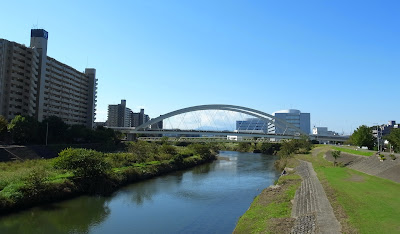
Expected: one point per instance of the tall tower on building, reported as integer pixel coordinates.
(39, 39)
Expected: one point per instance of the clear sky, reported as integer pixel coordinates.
(338, 60)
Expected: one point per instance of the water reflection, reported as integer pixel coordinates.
(75, 216)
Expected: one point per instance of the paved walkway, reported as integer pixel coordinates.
(311, 208)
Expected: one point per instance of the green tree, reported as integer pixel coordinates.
(57, 130)
(269, 148)
(363, 137)
(3, 127)
(287, 149)
(394, 139)
(335, 155)
(77, 134)
(23, 129)
(244, 147)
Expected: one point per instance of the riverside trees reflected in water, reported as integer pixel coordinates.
(74, 216)
(207, 198)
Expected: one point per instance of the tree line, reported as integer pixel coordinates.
(27, 130)
(363, 136)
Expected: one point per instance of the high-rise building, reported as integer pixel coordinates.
(119, 115)
(139, 118)
(32, 83)
(295, 117)
(157, 126)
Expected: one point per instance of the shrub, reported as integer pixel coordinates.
(269, 148)
(82, 162)
(120, 159)
(143, 151)
(168, 149)
(393, 157)
(244, 147)
(34, 183)
(178, 159)
(202, 150)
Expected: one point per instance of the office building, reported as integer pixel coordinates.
(34, 84)
(295, 117)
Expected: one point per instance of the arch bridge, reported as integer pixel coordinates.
(288, 130)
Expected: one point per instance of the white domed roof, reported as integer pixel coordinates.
(288, 111)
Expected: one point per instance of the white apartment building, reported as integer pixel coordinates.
(32, 83)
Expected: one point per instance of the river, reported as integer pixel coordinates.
(206, 199)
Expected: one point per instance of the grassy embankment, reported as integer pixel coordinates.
(362, 203)
(271, 210)
(27, 183)
(353, 151)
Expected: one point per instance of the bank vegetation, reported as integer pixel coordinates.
(78, 171)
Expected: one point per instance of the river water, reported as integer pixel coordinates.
(206, 199)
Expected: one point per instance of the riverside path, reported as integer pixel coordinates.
(312, 209)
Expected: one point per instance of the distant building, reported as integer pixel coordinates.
(252, 125)
(295, 117)
(34, 84)
(139, 118)
(323, 131)
(99, 124)
(157, 126)
(385, 129)
(119, 115)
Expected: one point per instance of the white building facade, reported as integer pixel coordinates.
(31, 83)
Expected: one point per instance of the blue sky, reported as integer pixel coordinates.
(338, 60)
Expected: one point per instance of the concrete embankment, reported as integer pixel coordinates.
(388, 168)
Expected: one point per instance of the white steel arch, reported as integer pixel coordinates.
(258, 114)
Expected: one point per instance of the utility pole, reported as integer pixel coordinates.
(377, 136)
(47, 131)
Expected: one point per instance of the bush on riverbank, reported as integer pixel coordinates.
(289, 148)
(82, 171)
(83, 163)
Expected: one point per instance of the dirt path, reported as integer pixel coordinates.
(311, 208)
